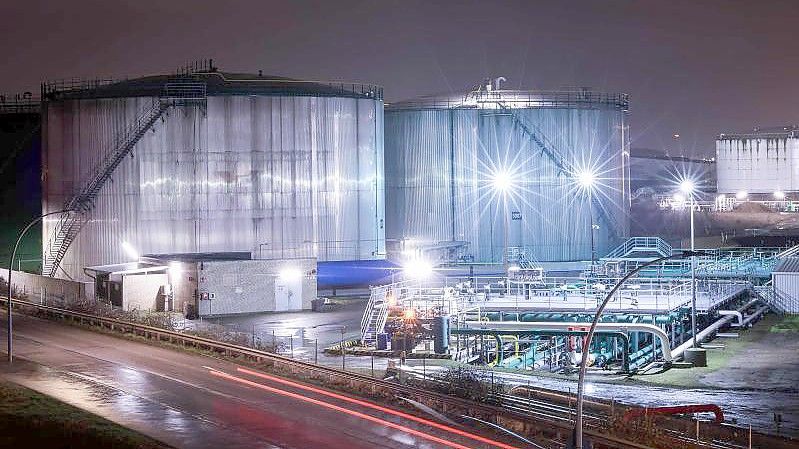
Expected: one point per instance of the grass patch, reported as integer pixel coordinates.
(789, 323)
(716, 358)
(31, 419)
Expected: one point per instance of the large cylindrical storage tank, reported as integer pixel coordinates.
(278, 167)
(444, 155)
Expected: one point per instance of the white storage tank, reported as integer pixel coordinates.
(278, 167)
(445, 153)
(761, 162)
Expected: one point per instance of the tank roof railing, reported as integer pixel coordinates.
(519, 99)
(86, 87)
(789, 134)
(49, 88)
(24, 103)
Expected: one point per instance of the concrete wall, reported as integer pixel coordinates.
(249, 286)
(144, 291)
(34, 285)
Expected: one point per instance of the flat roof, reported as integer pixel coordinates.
(787, 265)
(197, 257)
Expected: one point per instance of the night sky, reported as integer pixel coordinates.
(696, 68)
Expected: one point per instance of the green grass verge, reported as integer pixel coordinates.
(31, 419)
(790, 323)
(716, 358)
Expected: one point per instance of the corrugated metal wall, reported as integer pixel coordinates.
(283, 177)
(757, 165)
(439, 164)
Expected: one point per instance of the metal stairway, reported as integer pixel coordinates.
(778, 302)
(375, 315)
(176, 93)
(648, 247)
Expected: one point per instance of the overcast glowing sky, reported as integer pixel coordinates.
(693, 67)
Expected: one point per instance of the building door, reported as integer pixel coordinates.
(288, 294)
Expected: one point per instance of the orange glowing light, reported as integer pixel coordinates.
(340, 409)
(375, 407)
(409, 314)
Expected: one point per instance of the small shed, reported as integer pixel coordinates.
(785, 279)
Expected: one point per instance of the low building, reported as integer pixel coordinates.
(785, 281)
(208, 284)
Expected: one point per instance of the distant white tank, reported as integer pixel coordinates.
(761, 162)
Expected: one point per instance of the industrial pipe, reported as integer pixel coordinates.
(754, 316)
(678, 351)
(736, 314)
(674, 410)
(494, 332)
(564, 326)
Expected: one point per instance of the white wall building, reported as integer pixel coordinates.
(785, 279)
(762, 162)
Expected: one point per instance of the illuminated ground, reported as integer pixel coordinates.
(195, 401)
(764, 357)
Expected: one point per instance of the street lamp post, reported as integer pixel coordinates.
(10, 266)
(586, 180)
(503, 182)
(688, 187)
(591, 220)
(578, 421)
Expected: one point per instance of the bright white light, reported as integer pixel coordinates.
(290, 274)
(502, 180)
(687, 187)
(589, 388)
(779, 194)
(678, 198)
(586, 179)
(721, 198)
(175, 270)
(130, 251)
(741, 195)
(418, 269)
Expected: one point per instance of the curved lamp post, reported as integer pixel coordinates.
(11, 265)
(578, 421)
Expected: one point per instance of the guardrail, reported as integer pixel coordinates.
(511, 419)
(332, 377)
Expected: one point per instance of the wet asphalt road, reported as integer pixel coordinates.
(194, 401)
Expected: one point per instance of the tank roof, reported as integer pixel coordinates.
(516, 99)
(772, 132)
(215, 83)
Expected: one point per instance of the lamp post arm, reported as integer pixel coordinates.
(11, 265)
(578, 420)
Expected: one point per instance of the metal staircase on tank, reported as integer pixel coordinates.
(547, 147)
(175, 93)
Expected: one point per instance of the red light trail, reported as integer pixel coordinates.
(355, 413)
(376, 407)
